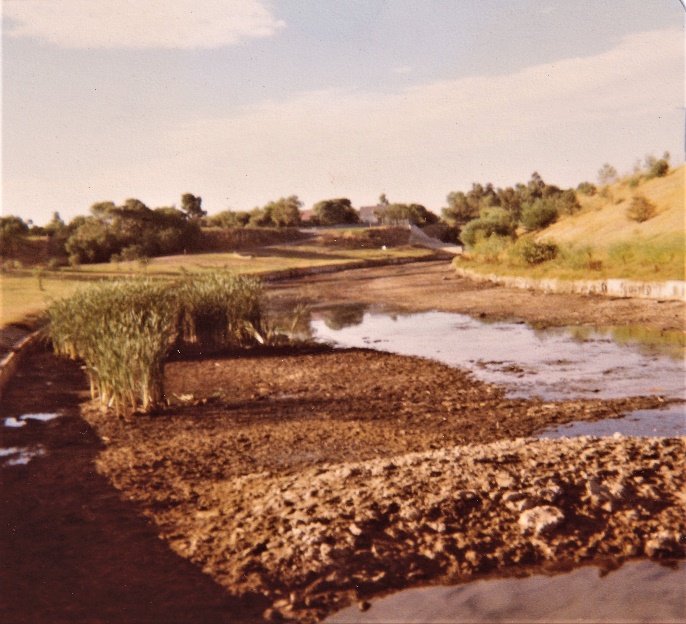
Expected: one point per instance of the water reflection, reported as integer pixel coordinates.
(555, 363)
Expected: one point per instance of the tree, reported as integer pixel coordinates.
(383, 200)
(641, 209)
(607, 174)
(540, 214)
(12, 231)
(335, 212)
(412, 213)
(285, 212)
(191, 205)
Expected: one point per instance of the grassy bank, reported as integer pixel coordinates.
(600, 241)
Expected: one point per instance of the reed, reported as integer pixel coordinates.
(123, 330)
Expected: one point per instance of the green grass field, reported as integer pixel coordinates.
(24, 295)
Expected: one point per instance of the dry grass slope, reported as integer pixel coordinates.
(602, 221)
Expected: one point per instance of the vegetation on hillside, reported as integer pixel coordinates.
(629, 227)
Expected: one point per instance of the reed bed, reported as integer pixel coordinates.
(124, 330)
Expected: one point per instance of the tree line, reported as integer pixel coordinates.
(133, 231)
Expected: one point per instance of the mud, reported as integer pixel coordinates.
(289, 483)
(323, 478)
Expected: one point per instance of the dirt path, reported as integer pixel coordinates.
(435, 286)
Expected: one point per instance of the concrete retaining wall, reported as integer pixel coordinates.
(672, 290)
(10, 363)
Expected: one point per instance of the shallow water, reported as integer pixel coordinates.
(22, 420)
(19, 456)
(653, 423)
(557, 363)
(641, 591)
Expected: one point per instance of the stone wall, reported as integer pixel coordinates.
(672, 290)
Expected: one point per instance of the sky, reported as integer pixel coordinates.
(245, 101)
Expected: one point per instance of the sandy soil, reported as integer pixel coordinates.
(287, 483)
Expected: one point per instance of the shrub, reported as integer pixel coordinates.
(659, 169)
(492, 249)
(540, 214)
(496, 221)
(533, 252)
(641, 209)
(587, 188)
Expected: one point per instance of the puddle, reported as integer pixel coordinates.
(557, 363)
(19, 456)
(22, 420)
(654, 423)
(641, 591)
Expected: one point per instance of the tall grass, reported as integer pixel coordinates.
(124, 330)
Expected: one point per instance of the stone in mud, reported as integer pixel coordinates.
(664, 544)
(605, 495)
(541, 520)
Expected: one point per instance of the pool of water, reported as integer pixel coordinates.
(554, 364)
(642, 591)
(557, 363)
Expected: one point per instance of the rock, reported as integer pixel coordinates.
(664, 544)
(541, 520)
(355, 530)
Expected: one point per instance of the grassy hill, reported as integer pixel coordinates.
(602, 221)
(600, 241)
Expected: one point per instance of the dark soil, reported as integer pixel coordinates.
(286, 483)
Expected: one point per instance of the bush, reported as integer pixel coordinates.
(533, 252)
(641, 209)
(659, 169)
(540, 214)
(492, 249)
(496, 221)
(587, 188)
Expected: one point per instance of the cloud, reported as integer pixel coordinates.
(417, 144)
(411, 140)
(139, 24)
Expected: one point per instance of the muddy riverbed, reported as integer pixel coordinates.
(290, 483)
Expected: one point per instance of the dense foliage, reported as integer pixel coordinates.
(128, 232)
(335, 212)
(486, 211)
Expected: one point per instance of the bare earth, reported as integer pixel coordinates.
(287, 483)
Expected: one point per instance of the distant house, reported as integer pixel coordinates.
(306, 215)
(372, 215)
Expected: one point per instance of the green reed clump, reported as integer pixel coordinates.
(121, 330)
(219, 310)
(124, 330)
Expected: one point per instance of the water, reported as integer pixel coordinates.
(554, 364)
(653, 423)
(557, 363)
(22, 420)
(19, 456)
(641, 591)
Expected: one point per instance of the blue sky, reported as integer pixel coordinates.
(246, 101)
